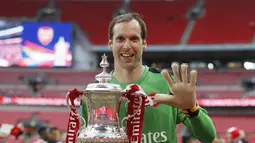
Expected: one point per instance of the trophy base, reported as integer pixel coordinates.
(102, 133)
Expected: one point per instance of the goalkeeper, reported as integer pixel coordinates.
(176, 98)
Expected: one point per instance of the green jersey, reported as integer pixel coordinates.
(160, 122)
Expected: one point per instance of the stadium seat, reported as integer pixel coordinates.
(225, 22)
(222, 123)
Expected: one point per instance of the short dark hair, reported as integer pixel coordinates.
(53, 129)
(127, 17)
(42, 129)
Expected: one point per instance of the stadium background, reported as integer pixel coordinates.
(216, 37)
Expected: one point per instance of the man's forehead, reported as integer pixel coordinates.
(127, 34)
(131, 27)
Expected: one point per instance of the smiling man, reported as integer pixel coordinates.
(177, 99)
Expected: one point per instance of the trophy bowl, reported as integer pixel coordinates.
(103, 100)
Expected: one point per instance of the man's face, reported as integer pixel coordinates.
(229, 138)
(44, 135)
(55, 134)
(127, 45)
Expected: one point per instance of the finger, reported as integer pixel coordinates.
(193, 77)
(165, 99)
(184, 73)
(167, 77)
(148, 101)
(175, 68)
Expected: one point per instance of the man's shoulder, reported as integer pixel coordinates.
(154, 76)
(158, 70)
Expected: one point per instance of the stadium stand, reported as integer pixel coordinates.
(225, 23)
(234, 25)
(222, 23)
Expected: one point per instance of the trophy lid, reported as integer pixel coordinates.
(103, 79)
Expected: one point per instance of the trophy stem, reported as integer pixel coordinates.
(104, 77)
(102, 99)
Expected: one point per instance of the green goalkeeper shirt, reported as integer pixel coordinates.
(160, 123)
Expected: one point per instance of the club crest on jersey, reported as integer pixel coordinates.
(45, 35)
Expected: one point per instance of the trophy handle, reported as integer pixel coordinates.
(130, 116)
(73, 107)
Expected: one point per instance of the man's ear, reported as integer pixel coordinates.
(110, 44)
(144, 44)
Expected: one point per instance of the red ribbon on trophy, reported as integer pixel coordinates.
(73, 123)
(135, 123)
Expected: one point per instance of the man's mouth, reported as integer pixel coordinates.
(127, 55)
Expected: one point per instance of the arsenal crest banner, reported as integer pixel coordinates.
(46, 45)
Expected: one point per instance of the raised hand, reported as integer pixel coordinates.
(183, 90)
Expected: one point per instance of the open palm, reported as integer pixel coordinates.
(183, 90)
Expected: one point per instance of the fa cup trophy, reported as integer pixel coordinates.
(103, 100)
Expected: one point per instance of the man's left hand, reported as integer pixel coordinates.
(183, 90)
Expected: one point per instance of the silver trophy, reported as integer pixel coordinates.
(103, 100)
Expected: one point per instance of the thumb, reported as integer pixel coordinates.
(165, 99)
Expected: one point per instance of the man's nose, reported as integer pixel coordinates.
(127, 45)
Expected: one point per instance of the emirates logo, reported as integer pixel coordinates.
(45, 35)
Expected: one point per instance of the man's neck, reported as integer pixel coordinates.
(128, 76)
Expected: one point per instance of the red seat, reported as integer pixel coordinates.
(222, 123)
(50, 117)
(225, 22)
(221, 78)
(64, 77)
(156, 14)
(54, 92)
(219, 94)
(222, 23)
(162, 31)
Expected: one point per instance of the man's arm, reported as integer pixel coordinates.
(201, 125)
(184, 97)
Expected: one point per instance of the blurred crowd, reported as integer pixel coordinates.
(30, 133)
(39, 133)
(50, 135)
(35, 84)
(43, 134)
(233, 135)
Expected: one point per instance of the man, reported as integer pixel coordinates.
(235, 135)
(186, 134)
(127, 40)
(219, 140)
(191, 140)
(243, 136)
(55, 135)
(43, 133)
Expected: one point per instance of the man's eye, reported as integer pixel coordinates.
(134, 39)
(120, 38)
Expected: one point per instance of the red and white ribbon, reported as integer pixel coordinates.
(137, 90)
(135, 123)
(135, 107)
(73, 122)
